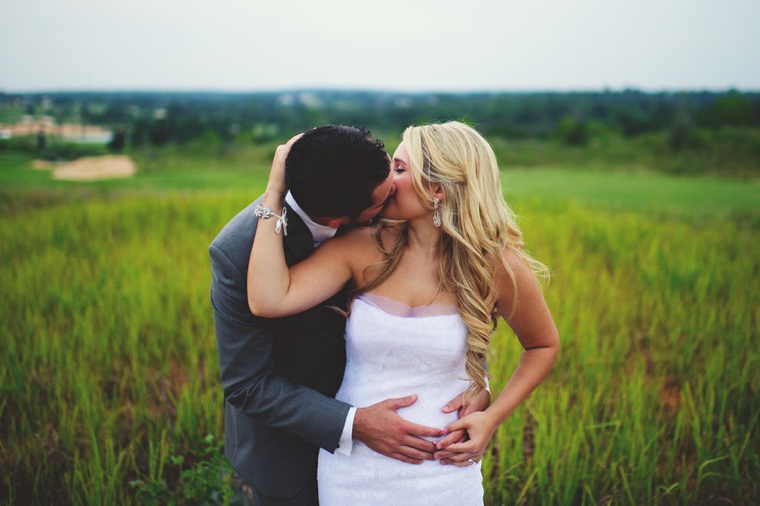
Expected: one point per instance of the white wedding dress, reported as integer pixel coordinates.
(394, 351)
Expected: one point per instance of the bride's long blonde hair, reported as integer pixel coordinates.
(477, 226)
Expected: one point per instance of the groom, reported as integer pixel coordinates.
(280, 375)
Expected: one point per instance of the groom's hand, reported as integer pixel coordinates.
(383, 430)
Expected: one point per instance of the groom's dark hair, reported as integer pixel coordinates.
(333, 170)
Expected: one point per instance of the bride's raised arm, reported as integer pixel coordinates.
(274, 290)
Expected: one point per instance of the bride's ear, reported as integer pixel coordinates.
(438, 192)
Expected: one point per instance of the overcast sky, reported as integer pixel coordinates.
(405, 45)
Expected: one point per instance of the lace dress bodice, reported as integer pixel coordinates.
(393, 351)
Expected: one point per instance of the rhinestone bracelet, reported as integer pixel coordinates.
(265, 213)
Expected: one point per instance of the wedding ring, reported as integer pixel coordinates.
(472, 462)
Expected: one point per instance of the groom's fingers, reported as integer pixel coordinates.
(414, 455)
(381, 428)
(422, 431)
(419, 445)
(454, 404)
(403, 458)
(400, 402)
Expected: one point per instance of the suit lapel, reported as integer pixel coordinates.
(298, 243)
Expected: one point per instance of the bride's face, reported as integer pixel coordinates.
(405, 203)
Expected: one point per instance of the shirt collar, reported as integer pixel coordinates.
(319, 233)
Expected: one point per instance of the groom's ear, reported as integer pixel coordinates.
(338, 222)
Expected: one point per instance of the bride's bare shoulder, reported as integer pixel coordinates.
(363, 241)
(353, 242)
(389, 233)
(356, 235)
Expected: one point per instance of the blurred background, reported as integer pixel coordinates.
(628, 135)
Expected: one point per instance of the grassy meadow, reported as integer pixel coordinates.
(109, 381)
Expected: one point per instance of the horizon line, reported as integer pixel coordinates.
(389, 91)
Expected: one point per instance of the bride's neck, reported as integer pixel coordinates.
(424, 240)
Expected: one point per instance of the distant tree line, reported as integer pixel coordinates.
(152, 118)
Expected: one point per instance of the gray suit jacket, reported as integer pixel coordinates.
(279, 375)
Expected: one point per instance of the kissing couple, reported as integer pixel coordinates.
(354, 358)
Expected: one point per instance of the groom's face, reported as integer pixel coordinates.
(379, 196)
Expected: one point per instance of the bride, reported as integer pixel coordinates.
(429, 282)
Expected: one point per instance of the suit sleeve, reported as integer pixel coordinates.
(245, 347)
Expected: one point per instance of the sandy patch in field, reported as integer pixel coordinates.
(95, 168)
(43, 165)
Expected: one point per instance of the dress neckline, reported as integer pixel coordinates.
(397, 308)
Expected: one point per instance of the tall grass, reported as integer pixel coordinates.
(655, 396)
(109, 370)
(109, 364)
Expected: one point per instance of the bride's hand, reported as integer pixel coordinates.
(463, 405)
(277, 184)
(480, 429)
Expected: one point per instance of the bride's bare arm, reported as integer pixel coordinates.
(273, 289)
(533, 324)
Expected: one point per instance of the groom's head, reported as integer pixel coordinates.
(339, 173)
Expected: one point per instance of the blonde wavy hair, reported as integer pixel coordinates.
(477, 226)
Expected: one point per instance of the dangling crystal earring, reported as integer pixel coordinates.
(436, 213)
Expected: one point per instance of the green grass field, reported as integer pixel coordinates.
(109, 373)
